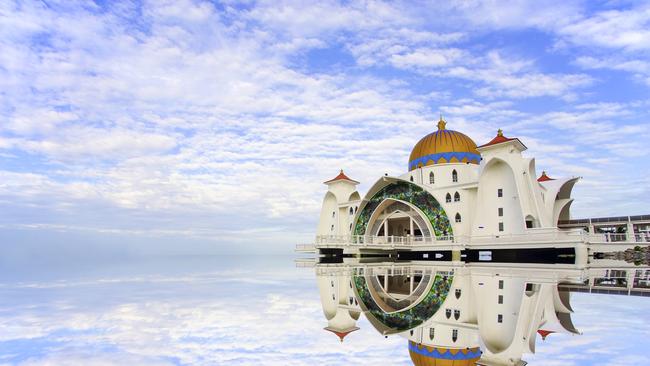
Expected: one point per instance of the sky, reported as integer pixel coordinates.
(212, 125)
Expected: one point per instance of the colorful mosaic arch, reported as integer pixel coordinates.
(413, 194)
(409, 318)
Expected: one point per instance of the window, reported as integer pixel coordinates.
(458, 292)
(332, 283)
(500, 284)
(432, 178)
(454, 176)
(454, 335)
(500, 211)
(332, 228)
(411, 331)
(457, 217)
(432, 333)
(333, 297)
(351, 211)
(500, 192)
(456, 197)
(350, 227)
(500, 226)
(499, 318)
(351, 300)
(411, 178)
(333, 213)
(448, 313)
(456, 314)
(500, 300)
(448, 198)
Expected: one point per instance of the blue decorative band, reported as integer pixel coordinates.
(447, 355)
(447, 155)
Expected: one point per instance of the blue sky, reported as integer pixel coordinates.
(215, 123)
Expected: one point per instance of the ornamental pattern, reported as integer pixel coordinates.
(409, 318)
(413, 194)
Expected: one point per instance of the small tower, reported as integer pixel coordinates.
(339, 206)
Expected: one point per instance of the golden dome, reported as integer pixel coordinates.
(442, 147)
(422, 355)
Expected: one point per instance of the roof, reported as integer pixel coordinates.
(341, 335)
(544, 177)
(341, 176)
(498, 139)
(442, 147)
(422, 355)
(544, 333)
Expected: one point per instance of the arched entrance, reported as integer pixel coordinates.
(401, 208)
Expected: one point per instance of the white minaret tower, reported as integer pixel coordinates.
(339, 206)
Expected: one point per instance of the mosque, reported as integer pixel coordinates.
(470, 254)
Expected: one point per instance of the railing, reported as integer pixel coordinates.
(618, 237)
(533, 236)
(366, 240)
(305, 247)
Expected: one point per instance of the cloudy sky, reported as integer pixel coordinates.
(215, 123)
(188, 312)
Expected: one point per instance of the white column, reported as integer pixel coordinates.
(630, 230)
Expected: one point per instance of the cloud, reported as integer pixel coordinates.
(214, 121)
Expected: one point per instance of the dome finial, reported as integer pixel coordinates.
(441, 123)
(499, 132)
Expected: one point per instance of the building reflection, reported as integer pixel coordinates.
(458, 313)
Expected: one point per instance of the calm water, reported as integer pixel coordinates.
(239, 311)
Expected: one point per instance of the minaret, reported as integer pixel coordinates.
(339, 206)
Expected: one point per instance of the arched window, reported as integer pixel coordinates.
(333, 213)
(454, 176)
(448, 198)
(350, 227)
(432, 333)
(432, 178)
(411, 331)
(448, 313)
(456, 197)
(458, 292)
(351, 300)
(332, 228)
(458, 217)
(351, 211)
(411, 178)
(454, 335)
(456, 314)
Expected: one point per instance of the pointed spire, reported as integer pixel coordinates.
(544, 333)
(341, 176)
(499, 138)
(544, 177)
